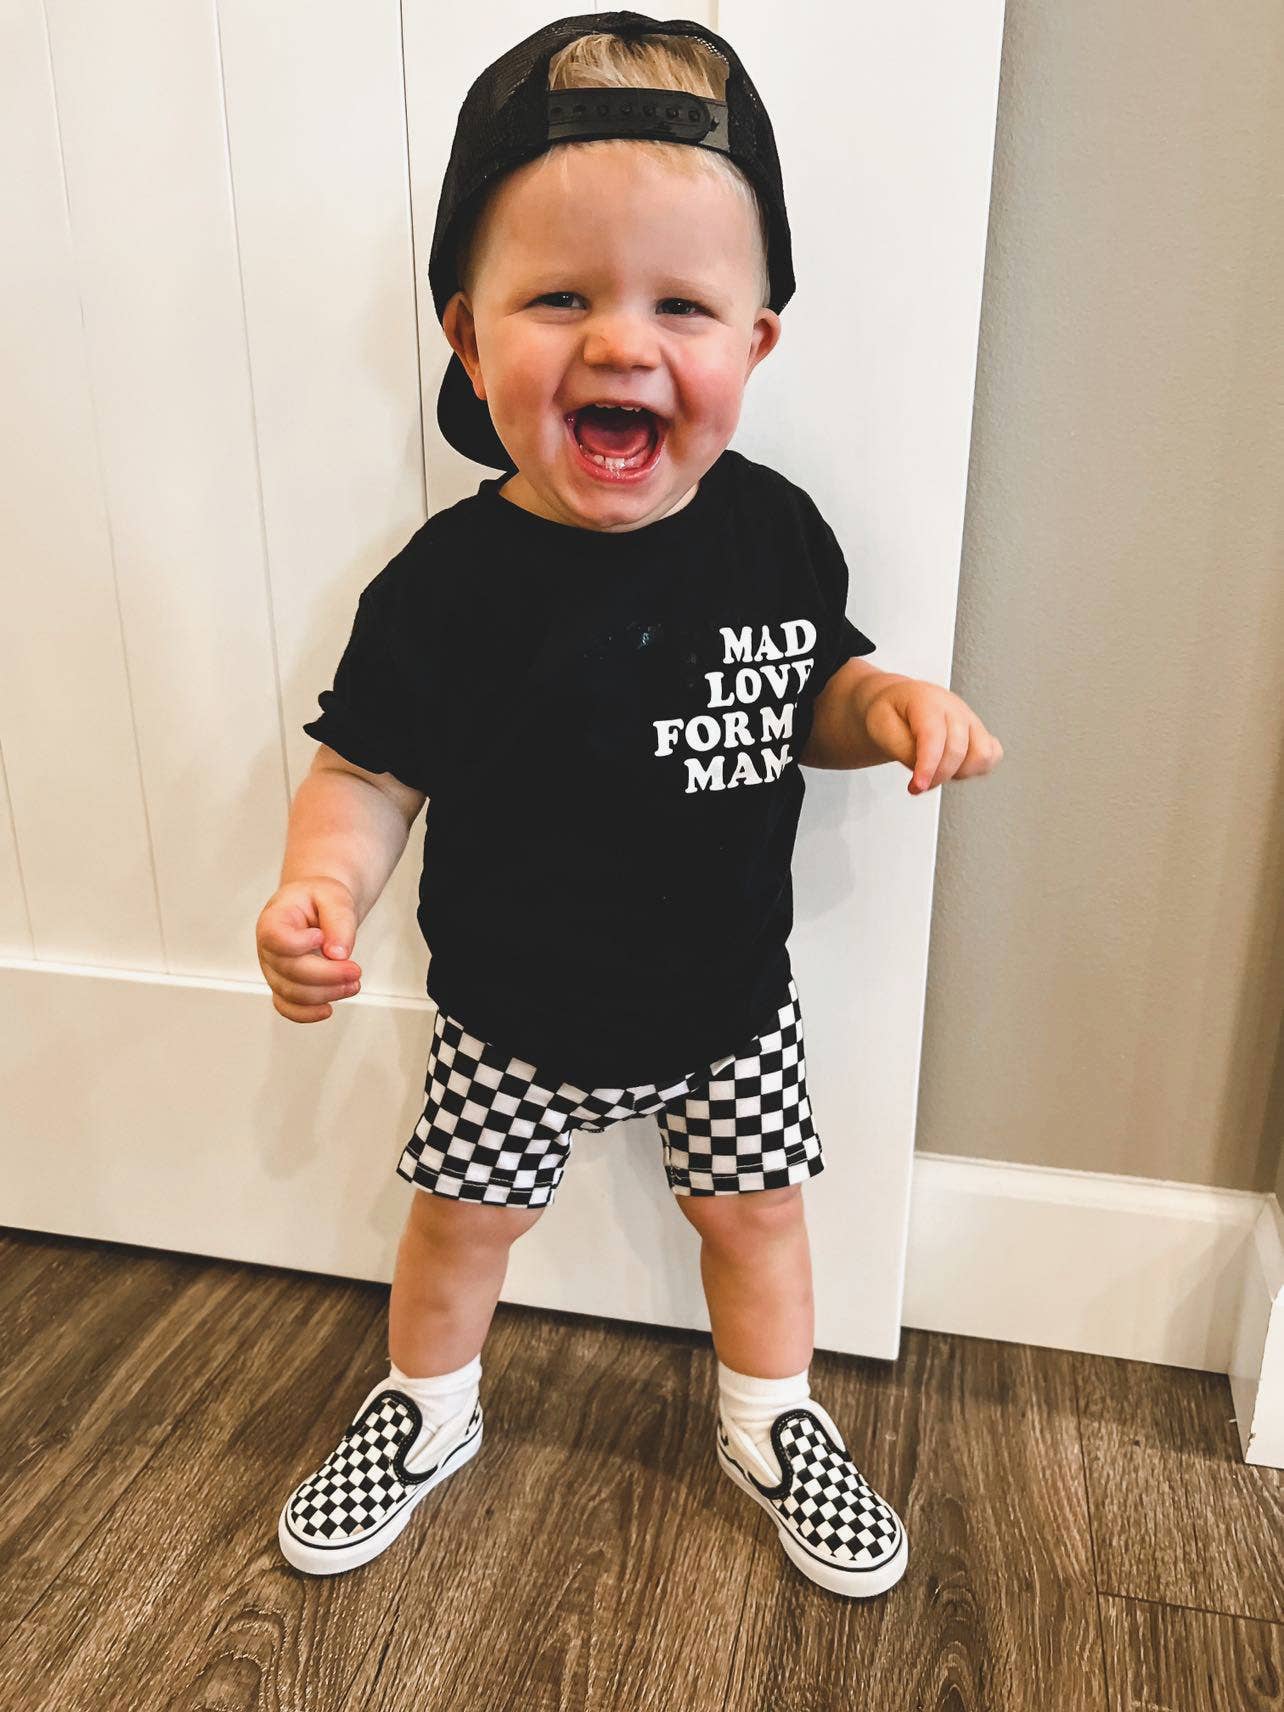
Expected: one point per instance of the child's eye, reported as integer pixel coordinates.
(550, 297)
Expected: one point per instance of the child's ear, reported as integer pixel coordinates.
(763, 338)
(461, 331)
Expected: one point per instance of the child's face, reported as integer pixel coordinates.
(606, 275)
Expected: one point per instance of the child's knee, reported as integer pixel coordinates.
(471, 1224)
(744, 1219)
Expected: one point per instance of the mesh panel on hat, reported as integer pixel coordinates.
(503, 122)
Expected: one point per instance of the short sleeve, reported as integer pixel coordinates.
(841, 640)
(370, 716)
(850, 642)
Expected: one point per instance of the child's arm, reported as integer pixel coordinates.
(349, 825)
(346, 832)
(838, 737)
(864, 716)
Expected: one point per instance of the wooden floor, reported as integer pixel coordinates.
(1083, 1534)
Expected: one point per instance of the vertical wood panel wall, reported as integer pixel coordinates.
(212, 442)
(220, 354)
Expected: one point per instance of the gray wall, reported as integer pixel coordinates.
(1107, 955)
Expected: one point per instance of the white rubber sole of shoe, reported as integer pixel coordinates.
(331, 1560)
(853, 1583)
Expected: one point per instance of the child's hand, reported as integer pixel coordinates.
(304, 934)
(932, 731)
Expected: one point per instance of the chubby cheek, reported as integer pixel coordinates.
(709, 401)
(522, 379)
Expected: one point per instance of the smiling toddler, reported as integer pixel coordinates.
(602, 671)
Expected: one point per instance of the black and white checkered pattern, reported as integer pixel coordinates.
(492, 1131)
(364, 1482)
(823, 1500)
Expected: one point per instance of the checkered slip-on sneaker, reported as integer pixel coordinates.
(358, 1501)
(832, 1523)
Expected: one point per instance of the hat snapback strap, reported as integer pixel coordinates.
(669, 115)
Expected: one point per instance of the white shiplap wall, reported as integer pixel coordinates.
(219, 352)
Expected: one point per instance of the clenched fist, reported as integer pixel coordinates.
(304, 934)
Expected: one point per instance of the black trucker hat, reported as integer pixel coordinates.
(510, 115)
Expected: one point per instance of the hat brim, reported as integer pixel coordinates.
(465, 419)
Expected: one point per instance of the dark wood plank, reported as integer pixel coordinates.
(580, 1528)
(194, 1537)
(75, 1327)
(975, 1443)
(603, 1566)
(1177, 1516)
(38, 1275)
(1161, 1658)
(156, 1409)
(85, 1405)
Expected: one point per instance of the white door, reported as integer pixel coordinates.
(219, 422)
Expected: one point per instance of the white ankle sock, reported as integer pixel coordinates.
(752, 1404)
(441, 1395)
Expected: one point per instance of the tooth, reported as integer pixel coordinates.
(615, 463)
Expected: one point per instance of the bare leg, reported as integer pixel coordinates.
(755, 1265)
(451, 1264)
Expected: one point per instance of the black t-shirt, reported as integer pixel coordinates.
(606, 726)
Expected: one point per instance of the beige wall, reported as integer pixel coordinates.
(1107, 953)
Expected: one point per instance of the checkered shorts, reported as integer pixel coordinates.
(492, 1131)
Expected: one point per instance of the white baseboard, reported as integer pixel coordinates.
(186, 1115)
(1131, 1267)
(1257, 1358)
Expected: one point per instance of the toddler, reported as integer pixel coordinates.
(602, 671)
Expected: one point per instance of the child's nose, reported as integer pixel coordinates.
(620, 341)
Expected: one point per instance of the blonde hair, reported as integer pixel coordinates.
(605, 61)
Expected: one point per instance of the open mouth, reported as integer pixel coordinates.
(616, 444)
